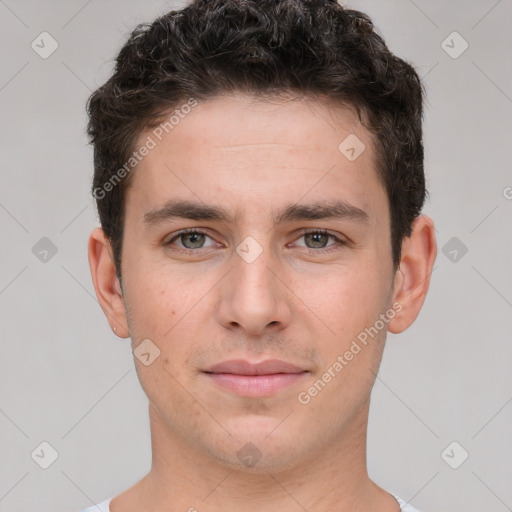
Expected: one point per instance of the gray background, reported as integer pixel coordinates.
(66, 379)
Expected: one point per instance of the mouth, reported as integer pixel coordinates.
(255, 380)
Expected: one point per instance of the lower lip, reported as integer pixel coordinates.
(255, 385)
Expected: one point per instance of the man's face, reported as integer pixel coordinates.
(256, 287)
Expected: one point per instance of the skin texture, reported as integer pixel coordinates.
(254, 157)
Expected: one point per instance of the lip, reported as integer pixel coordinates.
(242, 367)
(255, 380)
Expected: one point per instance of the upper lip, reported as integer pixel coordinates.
(242, 367)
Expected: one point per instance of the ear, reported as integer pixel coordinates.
(106, 283)
(412, 279)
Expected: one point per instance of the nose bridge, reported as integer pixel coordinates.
(254, 298)
(254, 282)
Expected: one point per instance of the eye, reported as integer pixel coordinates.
(191, 239)
(318, 239)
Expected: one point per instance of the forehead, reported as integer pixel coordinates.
(257, 149)
(241, 123)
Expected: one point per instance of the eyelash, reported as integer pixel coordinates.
(310, 250)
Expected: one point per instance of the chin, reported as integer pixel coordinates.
(257, 442)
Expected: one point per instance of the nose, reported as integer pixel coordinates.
(253, 297)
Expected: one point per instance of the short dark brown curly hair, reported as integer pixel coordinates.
(312, 48)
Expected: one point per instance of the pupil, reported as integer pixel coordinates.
(195, 238)
(315, 237)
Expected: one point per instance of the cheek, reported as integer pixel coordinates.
(160, 296)
(166, 388)
(168, 309)
(345, 299)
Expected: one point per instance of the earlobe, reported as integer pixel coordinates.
(106, 283)
(412, 279)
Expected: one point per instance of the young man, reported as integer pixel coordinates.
(259, 181)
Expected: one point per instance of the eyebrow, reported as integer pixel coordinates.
(184, 209)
